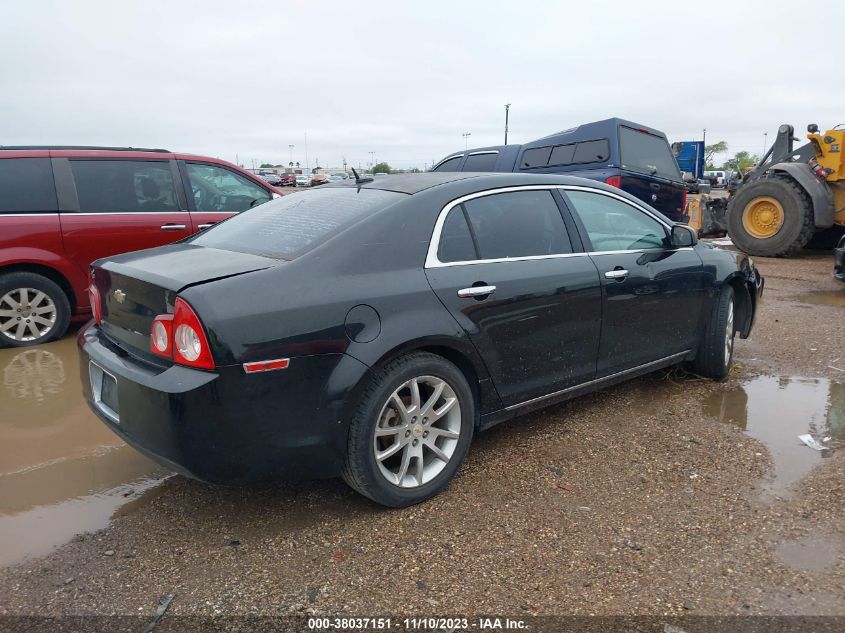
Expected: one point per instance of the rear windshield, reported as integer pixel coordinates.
(294, 224)
(644, 152)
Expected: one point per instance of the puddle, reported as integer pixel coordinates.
(812, 553)
(62, 472)
(823, 297)
(776, 410)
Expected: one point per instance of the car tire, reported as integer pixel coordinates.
(44, 296)
(715, 352)
(397, 458)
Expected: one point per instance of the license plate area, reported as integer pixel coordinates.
(104, 390)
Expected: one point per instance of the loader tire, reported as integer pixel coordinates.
(771, 217)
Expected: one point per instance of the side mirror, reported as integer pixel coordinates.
(682, 236)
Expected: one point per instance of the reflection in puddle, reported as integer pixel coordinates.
(776, 410)
(62, 472)
(811, 553)
(823, 297)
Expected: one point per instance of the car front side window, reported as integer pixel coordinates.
(217, 189)
(614, 225)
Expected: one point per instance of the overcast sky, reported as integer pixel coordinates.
(406, 79)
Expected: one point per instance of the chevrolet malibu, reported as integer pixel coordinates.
(370, 329)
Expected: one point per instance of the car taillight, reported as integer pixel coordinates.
(96, 303)
(181, 337)
(614, 181)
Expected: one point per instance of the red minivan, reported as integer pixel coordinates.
(63, 207)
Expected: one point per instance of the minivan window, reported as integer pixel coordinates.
(26, 185)
(290, 226)
(481, 162)
(219, 189)
(535, 157)
(118, 186)
(613, 225)
(517, 224)
(449, 165)
(644, 152)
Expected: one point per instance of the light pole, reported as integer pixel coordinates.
(765, 142)
(466, 136)
(290, 147)
(507, 110)
(372, 160)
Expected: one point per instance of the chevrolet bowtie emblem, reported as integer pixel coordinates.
(119, 295)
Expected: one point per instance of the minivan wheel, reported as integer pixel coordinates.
(33, 310)
(410, 431)
(715, 353)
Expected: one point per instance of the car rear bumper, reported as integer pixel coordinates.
(227, 426)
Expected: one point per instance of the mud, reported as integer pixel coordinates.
(62, 472)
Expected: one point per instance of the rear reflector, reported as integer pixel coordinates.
(266, 365)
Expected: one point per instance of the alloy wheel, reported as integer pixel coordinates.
(417, 431)
(26, 314)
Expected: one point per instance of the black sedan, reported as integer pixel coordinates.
(370, 328)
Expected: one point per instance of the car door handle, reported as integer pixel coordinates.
(172, 227)
(619, 274)
(476, 291)
(654, 185)
(206, 225)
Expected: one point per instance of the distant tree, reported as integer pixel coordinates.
(712, 150)
(265, 165)
(742, 161)
(381, 168)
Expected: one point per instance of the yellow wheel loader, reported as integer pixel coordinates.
(790, 196)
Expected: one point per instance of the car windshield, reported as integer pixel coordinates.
(287, 227)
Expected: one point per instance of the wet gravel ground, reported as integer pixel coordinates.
(628, 501)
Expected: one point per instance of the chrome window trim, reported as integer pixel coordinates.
(447, 158)
(432, 261)
(489, 151)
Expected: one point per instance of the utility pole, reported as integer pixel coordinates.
(765, 143)
(704, 138)
(372, 160)
(507, 111)
(307, 166)
(466, 136)
(290, 147)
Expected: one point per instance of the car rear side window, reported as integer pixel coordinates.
(535, 157)
(481, 162)
(647, 153)
(597, 151)
(613, 225)
(456, 242)
(517, 224)
(120, 186)
(290, 226)
(450, 164)
(26, 185)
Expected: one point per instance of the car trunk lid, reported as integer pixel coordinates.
(136, 287)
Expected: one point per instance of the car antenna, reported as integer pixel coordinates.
(359, 180)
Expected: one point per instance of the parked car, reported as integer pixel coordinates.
(319, 179)
(626, 155)
(63, 207)
(303, 180)
(717, 178)
(288, 180)
(406, 314)
(337, 178)
(273, 179)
